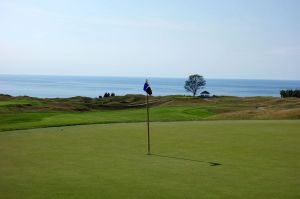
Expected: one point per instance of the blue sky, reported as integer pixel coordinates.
(162, 38)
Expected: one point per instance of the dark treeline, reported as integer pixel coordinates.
(290, 93)
(108, 95)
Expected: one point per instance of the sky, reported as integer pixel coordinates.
(250, 39)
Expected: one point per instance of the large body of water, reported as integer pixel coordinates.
(68, 86)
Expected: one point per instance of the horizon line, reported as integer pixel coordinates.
(173, 77)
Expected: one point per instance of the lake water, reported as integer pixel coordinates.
(68, 86)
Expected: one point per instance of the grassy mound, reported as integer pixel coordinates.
(26, 112)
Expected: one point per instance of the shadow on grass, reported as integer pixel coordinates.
(186, 159)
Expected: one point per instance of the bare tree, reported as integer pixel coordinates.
(194, 83)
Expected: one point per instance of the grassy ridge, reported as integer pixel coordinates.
(43, 119)
(258, 159)
(26, 112)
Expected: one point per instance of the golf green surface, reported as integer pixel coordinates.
(200, 159)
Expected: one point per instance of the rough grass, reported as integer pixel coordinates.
(26, 112)
(47, 119)
(256, 159)
(292, 113)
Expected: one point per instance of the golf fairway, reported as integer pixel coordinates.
(206, 159)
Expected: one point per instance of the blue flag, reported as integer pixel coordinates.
(147, 88)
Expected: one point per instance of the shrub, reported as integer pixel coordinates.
(106, 95)
(290, 93)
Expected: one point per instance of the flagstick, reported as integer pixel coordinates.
(149, 153)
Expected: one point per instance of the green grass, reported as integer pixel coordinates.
(11, 121)
(28, 113)
(18, 102)
(259, 159)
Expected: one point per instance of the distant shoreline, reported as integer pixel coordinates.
(132, 94)
(155, 77)
(93, 86)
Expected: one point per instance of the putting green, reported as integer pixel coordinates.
(207, 159)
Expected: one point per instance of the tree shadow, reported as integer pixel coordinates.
(186, 159)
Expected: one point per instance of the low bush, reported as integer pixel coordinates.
(290, 93)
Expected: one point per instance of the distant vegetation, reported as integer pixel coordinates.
(108, 95)
(28, 112)
(194, 84)
(290, 93)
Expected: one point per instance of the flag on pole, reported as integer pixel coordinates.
(147, 88)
